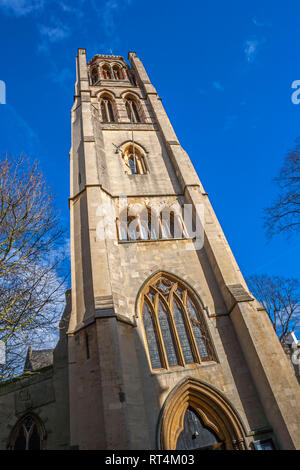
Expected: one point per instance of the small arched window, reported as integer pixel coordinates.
(132, 111)
(107, 111)
(106, 72)
(134, 160)
(174, 325)
(27, 434)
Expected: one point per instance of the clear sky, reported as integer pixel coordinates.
(223, 69)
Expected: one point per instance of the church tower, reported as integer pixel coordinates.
(167, 347)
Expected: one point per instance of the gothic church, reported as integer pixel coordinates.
(162, 346)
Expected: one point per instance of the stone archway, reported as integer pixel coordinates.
(214, 410)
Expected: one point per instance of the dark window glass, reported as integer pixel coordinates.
(163, 318)
(172, 228)
(151, 338)
(28, 437)
(110, 111)
(182, 334)
(103, 112)
(34, 440)
(135, 112)
(94, 76)
(198, 333)
(132, 111)
(20, 442)
(28, 423)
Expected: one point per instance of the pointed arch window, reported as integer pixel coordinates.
(180, 333)
(27, 434)
(132, 111)
(134, 160)
(107, 111)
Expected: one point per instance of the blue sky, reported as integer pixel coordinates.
(223, 69)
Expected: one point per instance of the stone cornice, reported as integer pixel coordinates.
(106, 57)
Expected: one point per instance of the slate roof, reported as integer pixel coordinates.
(37, 359)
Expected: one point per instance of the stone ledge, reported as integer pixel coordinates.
(124, 126)
(239, 293)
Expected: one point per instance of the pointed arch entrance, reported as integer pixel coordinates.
(196, 416)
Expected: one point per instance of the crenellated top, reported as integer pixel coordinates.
(107, 57)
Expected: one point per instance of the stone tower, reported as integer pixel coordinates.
(164, 336)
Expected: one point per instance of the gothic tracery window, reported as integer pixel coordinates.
(27, 434)
(175, 330)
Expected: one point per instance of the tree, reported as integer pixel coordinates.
(31, 253)
(284, 214)
(281, 299)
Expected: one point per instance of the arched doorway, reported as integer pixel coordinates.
(196, 416)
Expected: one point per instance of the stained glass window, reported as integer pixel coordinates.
(179, 336)
(151, 338)
(182, 334)
(164, 322)
(198, 332)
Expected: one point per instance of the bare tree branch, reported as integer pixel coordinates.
(284, 214)
(31, 254)
(281, 299)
